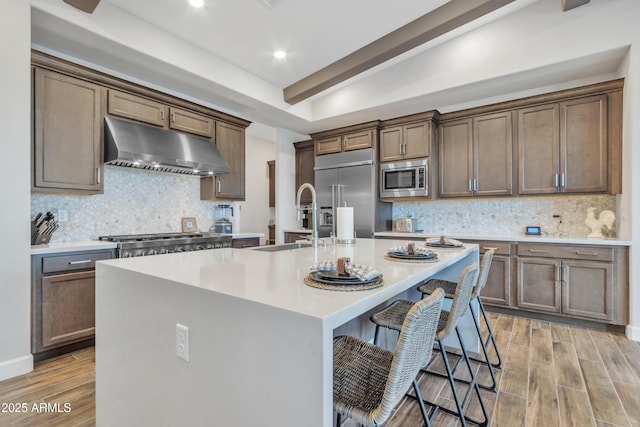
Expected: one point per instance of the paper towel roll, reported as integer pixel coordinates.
(345, 223)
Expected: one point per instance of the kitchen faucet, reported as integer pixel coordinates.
(314, 210)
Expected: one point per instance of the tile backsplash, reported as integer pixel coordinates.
(134, 201)
(507, 216)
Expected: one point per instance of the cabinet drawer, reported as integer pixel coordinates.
(247, 242)
(53, 264)
(502, 248)
(594, 253)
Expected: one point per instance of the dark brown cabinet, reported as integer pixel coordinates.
(476, 156)
(305, 162)
(230, 140)
(271, 165)
(63, 300)
(563, 147)
(572, 280)
(67, 138)
(245, 242)
(292, 237)
(356, 137)
(410, 141)
(148, 111)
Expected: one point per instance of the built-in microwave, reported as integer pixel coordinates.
(404, 179)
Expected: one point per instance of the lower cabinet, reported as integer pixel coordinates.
(63, 300)
(558, 279)
(245, 242)
(292, 237)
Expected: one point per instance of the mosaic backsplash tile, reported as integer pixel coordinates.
(507, 216)
(134, 201)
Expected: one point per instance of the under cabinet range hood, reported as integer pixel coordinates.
(148, 147)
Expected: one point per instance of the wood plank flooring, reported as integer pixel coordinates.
(552, 375)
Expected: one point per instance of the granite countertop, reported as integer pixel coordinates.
(576, 240)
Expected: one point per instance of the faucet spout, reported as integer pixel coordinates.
(314, 209)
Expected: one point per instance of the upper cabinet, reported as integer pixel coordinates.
(407, 138)
(155, 113)
(476, 156)
(349, 138)
(563, 147)
(230, 140)
(67, 137)
(305, 163)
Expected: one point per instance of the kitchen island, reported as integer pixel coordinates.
(259, 339)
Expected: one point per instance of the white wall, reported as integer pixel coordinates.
(255, 212)
(15, 140)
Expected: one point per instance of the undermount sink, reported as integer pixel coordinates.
(285, 247)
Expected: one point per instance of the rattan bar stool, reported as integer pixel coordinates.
(450, 289)
(369, 381)
(393, 316)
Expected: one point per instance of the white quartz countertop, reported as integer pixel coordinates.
(88, 245)
(298, 230)
(609, 241)
(244, 235)
(277, 278)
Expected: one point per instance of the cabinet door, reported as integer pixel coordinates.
(587, 289)
(136, 108)
(456, 159)
(493, 154)
(583, 142)
(497, 291)
(357, 140)
(67, 134)
(305, 161)
(248, 242)
(271, 165)
(539, 284)
(328, 145)
(417, 143)
(187, 121)
(391, 144)
(538, 149)
(68, 308)
(230, 143)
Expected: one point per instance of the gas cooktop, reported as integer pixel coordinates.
(132, 245)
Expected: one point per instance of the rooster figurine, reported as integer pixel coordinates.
(606, 218)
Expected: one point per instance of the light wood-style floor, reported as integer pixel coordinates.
(553, 375)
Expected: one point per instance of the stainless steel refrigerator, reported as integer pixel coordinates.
(350, 177)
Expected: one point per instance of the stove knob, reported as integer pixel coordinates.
(152, 252)
(126, 254)
(140, 252)
(179, 249)
(198, 248)
(164, 251)
(209, 246)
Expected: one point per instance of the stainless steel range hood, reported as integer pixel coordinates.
(144, 146)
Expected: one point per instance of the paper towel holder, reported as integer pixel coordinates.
(343, 240)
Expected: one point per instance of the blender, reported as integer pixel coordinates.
(223, 224)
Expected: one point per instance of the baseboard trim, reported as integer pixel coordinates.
(15, 367)
(633, 333)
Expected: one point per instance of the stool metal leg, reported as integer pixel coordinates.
(423, 410)
(492, 337)
(486, 360)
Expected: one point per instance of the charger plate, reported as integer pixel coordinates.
(347, 287)
(407, 258)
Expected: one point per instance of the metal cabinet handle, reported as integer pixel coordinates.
(586, 253)
(173, 117)
(557, 275)
(219, 186)
(563, 181)
(84, 261)
(98, 174)
(475, 185)
(162, 115)
(537, 251)
(556, 180)
(471, 186)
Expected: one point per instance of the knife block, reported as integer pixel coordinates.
(37, 238)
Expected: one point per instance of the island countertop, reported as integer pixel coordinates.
(277, 278)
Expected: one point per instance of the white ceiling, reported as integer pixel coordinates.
(221, 55)
(246, 32)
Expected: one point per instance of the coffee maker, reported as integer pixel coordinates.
(223, 223)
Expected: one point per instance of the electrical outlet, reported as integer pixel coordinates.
(182, 342)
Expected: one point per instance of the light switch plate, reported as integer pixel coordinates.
(182, 342)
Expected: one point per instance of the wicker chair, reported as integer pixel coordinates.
(393, 316)
(450, 289)
(369, 381)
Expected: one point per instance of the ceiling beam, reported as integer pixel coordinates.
(439, 21)
(570, 4)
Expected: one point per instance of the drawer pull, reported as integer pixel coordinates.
(587, 253)
(84, 261)
(538, 251)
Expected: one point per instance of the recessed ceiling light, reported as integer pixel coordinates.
(279, 54)
(196, 3)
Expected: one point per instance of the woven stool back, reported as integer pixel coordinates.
(461, 298)
(485, 266)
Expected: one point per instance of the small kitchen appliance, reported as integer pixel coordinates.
(223, 224)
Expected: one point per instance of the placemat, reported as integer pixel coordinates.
(390, 258)
(345, 288)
